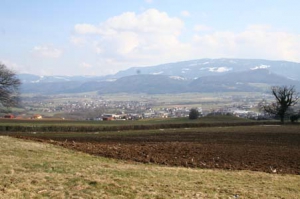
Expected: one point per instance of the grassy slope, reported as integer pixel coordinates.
(36, 170)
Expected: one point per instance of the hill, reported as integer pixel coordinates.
(210, 67)
(204, 75)
(246, 81)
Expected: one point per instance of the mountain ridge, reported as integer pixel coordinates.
(219, 75)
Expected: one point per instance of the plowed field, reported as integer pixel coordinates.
(272, 149)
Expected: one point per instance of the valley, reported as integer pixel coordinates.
(92, 105)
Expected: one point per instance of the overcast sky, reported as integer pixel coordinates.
(100, 37)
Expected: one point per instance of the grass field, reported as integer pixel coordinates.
(256, 147)
(19, 125)
(41, 170)
(218, 120)
(38, 170)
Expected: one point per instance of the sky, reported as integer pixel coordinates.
(101, 37)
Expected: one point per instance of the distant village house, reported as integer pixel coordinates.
(9, 116)
(108, 117)
(36, 117)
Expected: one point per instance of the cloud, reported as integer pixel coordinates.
(185, 13)
(254, 42)
(153, 37)
(47, 51)
(11, 65)
(130, 39)
(150, 21)
(149, 1)
(15, 66)
(77, 40)
(85, 65)
(200, 28)
(85, 29)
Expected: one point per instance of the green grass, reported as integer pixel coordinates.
(45, 122)
(215, 134)
(12, 125)
(37, 170)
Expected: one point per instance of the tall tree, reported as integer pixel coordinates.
(194, 114)
(9, 87)
(285, 97)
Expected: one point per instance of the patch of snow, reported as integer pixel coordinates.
(37, 81)
(177, 77)
(186, 69)
(158, 73)
(111, 80)
(262, 66)
(49, 78)
(205, 63)
(203, 68)
(219, 69)
(62, 78)
(183, 71)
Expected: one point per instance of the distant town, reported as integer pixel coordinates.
(97, 108)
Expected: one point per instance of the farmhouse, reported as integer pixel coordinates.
(37, 116)
(108, 117)
(9, 116)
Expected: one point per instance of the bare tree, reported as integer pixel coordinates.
(9, 87)
(285, 97)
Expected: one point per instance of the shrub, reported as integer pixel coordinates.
(194, 114)
(294, 118)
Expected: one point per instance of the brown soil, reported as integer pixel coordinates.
(274, 152)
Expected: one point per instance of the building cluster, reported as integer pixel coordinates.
(96, 108)
(12, 116)
(71, 106)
